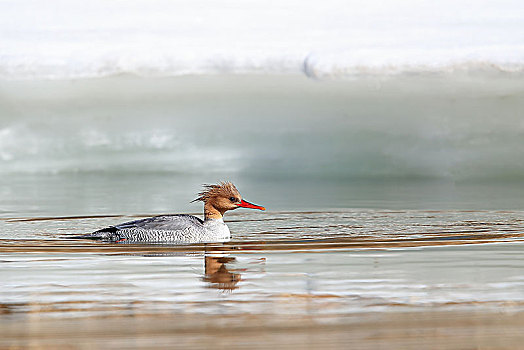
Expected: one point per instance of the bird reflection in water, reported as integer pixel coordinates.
(217, 275)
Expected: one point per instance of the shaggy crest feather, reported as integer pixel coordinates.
(225, 189)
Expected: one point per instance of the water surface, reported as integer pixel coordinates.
(300, 268)
(354, 260)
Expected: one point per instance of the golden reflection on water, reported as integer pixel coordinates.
(358, 242)
(217, 274)
(433, 329)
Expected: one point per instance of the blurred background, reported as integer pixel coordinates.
(129, 106)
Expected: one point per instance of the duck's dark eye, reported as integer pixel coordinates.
(232, 199)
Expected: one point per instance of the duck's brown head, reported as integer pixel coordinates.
(220, 198)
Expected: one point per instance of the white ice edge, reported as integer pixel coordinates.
(331, 39)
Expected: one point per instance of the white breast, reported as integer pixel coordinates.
(216, 231)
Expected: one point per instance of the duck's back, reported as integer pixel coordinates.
(165, 228)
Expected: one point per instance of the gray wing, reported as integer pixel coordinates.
(163, 222)
(157, 223)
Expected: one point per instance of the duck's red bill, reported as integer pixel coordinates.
(245, 204)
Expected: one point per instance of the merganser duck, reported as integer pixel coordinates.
(182, 228)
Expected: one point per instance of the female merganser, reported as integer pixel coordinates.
(182, 228)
